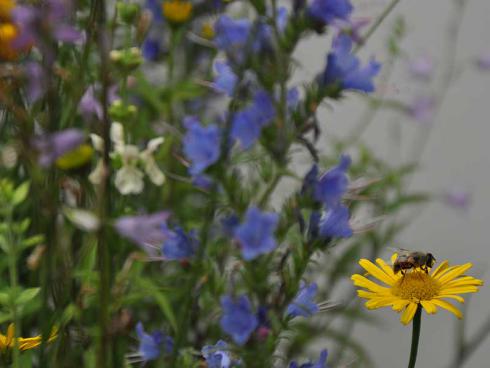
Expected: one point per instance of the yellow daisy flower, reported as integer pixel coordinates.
(177, 11)
(405, 293)
(25, 343)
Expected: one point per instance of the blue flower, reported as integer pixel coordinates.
(178, 245)
(231, 34)
(256, 234)
(303, 304)
(332, 185)
(225, 80)
(151, 345)
(238, 319)
(310, 180)
(216, 355)
(151, 48)
(321, 363)
(248, 123)
(201, 145)
(344, 68)
(335, 223)
(325, 11)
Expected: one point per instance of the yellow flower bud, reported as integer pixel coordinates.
(177, 11)
(75, 158)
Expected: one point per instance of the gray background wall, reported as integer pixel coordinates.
(456, 156)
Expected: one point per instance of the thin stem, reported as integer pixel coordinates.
(377, 23)
(103, 200)
(12, 260)
(415, 337)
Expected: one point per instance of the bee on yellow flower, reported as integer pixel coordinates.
(177, 11)
(406, 292)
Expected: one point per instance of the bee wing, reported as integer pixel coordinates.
(401, 251)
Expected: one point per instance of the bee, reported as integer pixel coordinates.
(407, 260)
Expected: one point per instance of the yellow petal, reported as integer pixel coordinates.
(444, 265)
(361, 281)
(448, 306)
(400, 304)
(378, 303)
(10, 335)
(429, 307)
(455, 297)
(29, 343)
(464, 281)
(408, 313)
(376, 271)
(394, 256)
(455, 273)
(459, 290)
(386, 268)
(367, 294)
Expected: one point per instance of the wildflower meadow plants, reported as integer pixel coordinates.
(143, 148)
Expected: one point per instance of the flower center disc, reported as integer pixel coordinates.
(416, 285)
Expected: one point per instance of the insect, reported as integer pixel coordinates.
(407, 260)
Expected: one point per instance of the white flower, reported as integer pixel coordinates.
(129, 178)
(150, 166)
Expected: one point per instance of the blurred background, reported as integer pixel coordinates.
(451, 141)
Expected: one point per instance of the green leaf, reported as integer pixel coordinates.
(4, 298)
(27, 295)
(160, 298)
(20, 193)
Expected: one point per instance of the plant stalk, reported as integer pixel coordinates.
(415, 337)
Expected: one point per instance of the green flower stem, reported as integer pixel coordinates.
(415, 337)
(12, 264)
(389, 8)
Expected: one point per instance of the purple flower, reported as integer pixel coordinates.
(422, 67)
(483, 61)
(36, 81)
(201, 145)
(457, 198)
(248, 123)
(303, 303)
(52, 146)
(217, 355)
(89, 105)
(144, 230)
(36, 22)
(344, 68)
(321, 363)
(422, 109)
(332, 185)
(238, 319)
(151, 345)
(325, 11)
(178, 245)
(225, 80)
(334, 223)
(256, 234)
